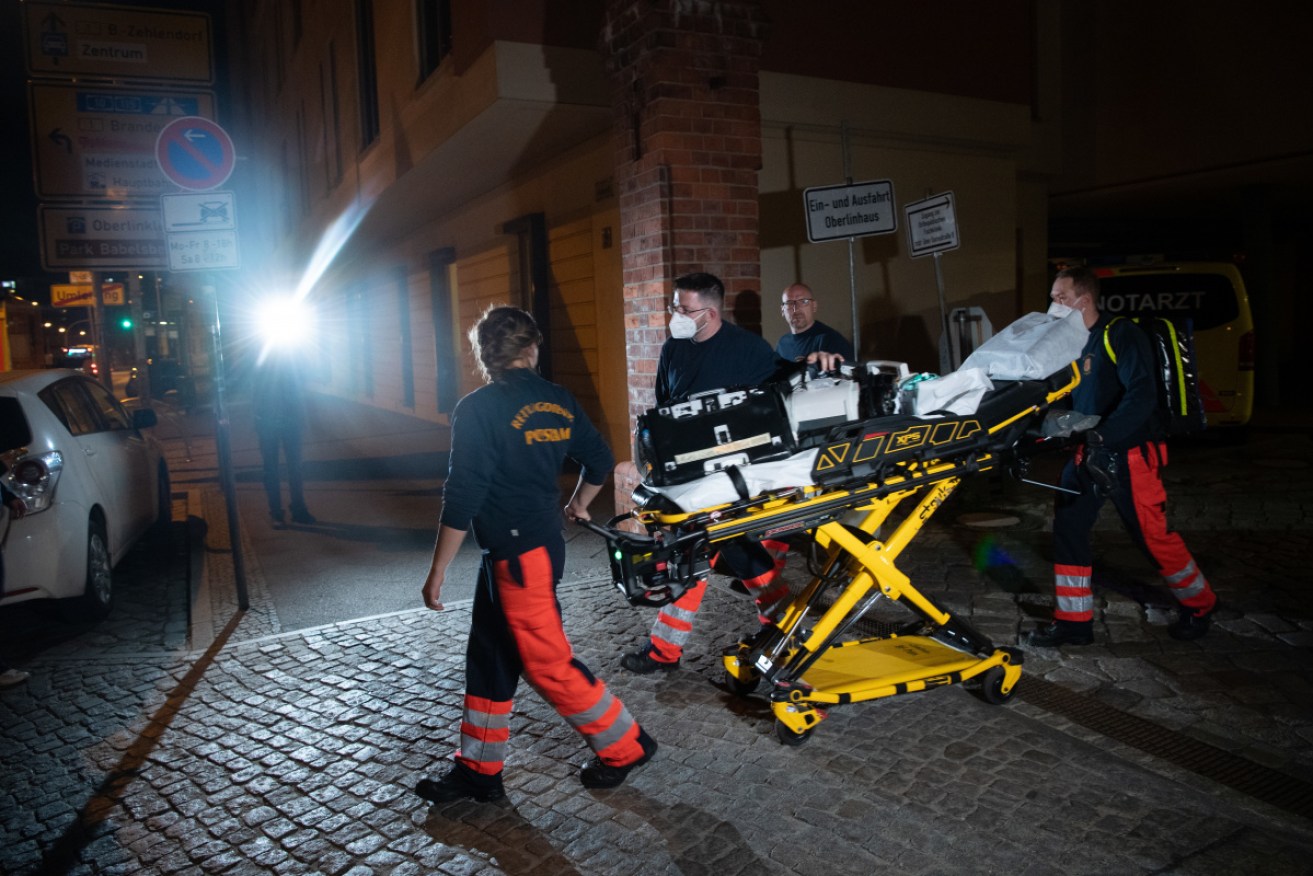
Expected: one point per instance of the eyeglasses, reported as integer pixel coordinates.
(681, 309)
(796, 303)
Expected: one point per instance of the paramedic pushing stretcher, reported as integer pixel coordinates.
(508, 441)
(704, 353)
(1120, 460)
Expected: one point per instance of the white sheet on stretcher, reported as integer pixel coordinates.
(762, 477)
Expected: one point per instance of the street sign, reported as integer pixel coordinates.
(195, 153)
(72, 295)
(931, 225)
(202, 211)
(80, 276)
(99, 237)
(855, 210)
(83, 294)
(99, 142)
(201, 231)
(119, 42)
(203, 251)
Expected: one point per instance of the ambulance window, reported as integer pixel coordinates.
(1209, 299)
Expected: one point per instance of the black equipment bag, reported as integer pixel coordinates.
(1175, 372)
(711, 431)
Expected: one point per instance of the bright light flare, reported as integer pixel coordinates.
(284, 324)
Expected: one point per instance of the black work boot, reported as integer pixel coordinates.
(642, 663)
(1190, 626)
(1061, 633)
(461, 783)
(596, 774)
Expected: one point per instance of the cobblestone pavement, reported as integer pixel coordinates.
(281, 752)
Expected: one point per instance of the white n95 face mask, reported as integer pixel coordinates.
(1058, 311)
(682, 326)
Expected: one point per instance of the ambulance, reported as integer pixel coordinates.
(1212, 296)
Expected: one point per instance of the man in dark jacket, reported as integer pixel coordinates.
(807, 334)
(1120, 460)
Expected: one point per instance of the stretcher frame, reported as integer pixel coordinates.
(805, 657)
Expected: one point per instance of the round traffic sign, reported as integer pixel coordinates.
(195, 153)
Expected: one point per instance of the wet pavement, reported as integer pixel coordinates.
(182, 736)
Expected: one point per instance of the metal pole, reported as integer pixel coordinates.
(223, 447)
(852, 245)
(139, 344)
(98, 330)
(946, 352)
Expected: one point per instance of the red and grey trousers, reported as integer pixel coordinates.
(516, 631)
(759, 566)
(1141, 503)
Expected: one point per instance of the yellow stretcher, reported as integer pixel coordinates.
(813, 655)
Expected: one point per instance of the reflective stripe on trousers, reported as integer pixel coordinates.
(1175, 563)
(674, 624)
(483, 734)
(1075, 598)
(518, 626)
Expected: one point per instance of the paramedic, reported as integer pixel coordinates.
(807, 333)
(508, 442)
(704, 352)
(1121, 460)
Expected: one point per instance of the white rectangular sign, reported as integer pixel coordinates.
(856, 210)
(201, 211)
(931, 225)
(203, 250)
(98, 237)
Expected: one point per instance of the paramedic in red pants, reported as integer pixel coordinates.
(1120, 460)
(704, 352)
(508, 441)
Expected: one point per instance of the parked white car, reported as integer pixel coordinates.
(93, 482)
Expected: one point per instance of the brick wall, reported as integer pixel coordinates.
(684, 77)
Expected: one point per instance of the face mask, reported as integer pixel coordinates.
(682, 326)
(1058, 311)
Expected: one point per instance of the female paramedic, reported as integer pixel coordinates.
(508, 441)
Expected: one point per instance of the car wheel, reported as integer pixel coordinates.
(98, 595)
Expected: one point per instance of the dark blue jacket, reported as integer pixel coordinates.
(819, 338)
(508, 442)
(1123, 394)
(731, 357)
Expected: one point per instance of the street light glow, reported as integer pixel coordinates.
(283, 323)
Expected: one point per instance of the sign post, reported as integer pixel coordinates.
(201, 231)
(932, 229)
(847, 212)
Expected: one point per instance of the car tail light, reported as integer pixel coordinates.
(33, 479)
(1246, 362)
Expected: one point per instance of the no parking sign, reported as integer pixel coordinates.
(195, 153)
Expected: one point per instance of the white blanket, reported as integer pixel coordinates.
(762, 477)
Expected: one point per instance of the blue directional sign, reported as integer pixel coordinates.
(195, 153)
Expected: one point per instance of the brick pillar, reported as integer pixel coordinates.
(685, 91)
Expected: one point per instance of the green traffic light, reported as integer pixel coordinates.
(126, 322)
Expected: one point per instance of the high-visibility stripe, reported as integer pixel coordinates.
(1187, 583)
(605, 724)
(674, 624)
(779, 552)
(767, 590)
(1074, 597)
(484, 732)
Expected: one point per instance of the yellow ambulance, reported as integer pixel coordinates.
(1212, 296)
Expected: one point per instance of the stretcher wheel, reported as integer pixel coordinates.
(991, 687)
(788, 737)
(740, 686)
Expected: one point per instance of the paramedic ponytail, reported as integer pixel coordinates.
(500, 337)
